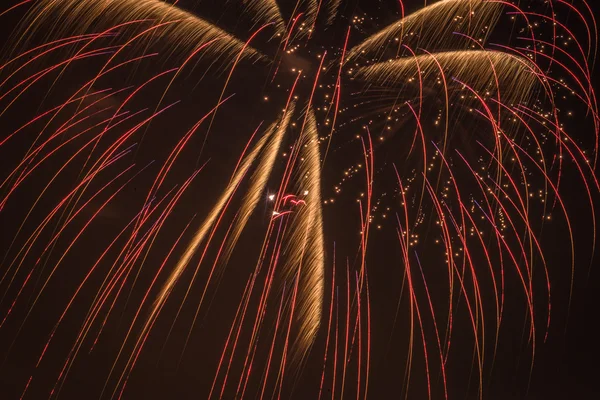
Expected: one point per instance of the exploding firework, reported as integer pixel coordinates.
(233, 191)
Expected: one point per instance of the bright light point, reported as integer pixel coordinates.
(272, 197)
(306, 192)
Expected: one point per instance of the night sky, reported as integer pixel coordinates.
(173, 367)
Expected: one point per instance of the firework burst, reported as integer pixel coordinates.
(319, 154)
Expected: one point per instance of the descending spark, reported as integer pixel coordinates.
(208, 223)
(333, 9)
(477, 202)
(266, 11)
(260, 177)
(305, 252)
(480, 69)
(184, 29)
(434, 25)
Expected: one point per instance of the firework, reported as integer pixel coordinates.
(461, 159)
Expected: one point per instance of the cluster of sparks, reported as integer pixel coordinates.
(476, 126)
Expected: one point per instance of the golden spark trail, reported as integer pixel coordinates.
(206, 226)
(515, 75)
(184, 32)
(435, 25)
(267, 11)
(332, 11)
(308, 235)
